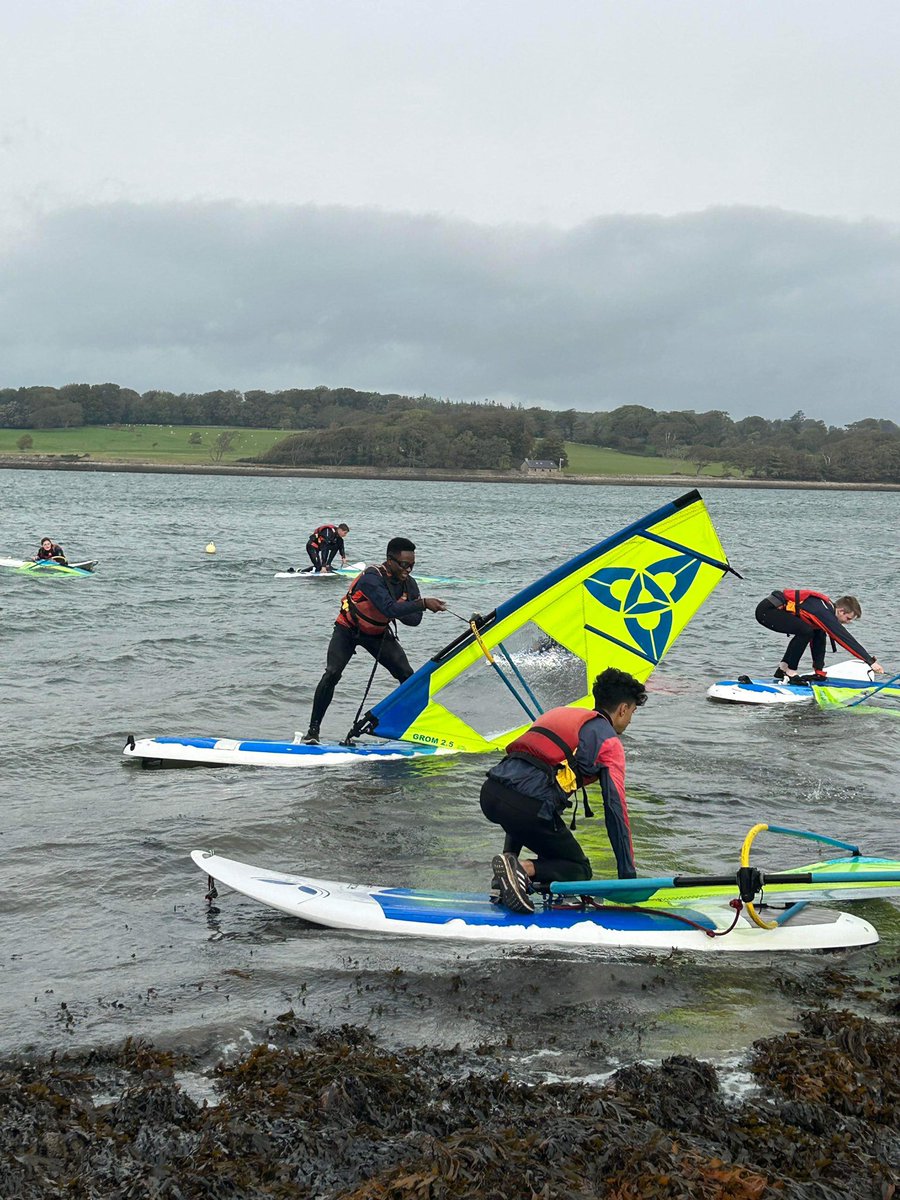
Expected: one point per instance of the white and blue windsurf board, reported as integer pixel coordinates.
(229, 752)
(309, 574)
(744, 690)
(473, 918)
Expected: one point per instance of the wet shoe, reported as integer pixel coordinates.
(797, 681)
(311, 737)
(779, 675)
(816, 677)
(512, 883)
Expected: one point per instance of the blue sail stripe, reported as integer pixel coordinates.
(608, 637)
(712, 562)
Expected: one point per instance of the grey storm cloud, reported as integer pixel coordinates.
(742, 309)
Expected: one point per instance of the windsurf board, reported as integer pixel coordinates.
(156, 752)
(47, 567)
(853, 674)
(350, 572)
(469, 917)
(309, 574)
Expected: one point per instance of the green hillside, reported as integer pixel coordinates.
(594, 460)
(171, 444)
(141, 443)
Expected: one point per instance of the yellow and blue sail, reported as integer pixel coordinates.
(621, 603)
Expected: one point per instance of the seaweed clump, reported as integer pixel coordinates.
(330, 1114)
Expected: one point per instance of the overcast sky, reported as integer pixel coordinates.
(572, 203)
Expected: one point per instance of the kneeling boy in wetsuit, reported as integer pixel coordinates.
(527, 792)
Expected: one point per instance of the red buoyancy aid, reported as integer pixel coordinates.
(536, 746)
(359, 613)
(794, 598)
(321, 533)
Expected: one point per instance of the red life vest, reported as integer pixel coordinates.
(320, 535)
(794, 598)
(359, 613)
(536, 746)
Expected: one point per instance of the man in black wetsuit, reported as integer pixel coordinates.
(810, 619)
(376, 598)
(325, 543)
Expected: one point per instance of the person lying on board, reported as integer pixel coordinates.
(811, 619)
(325, 543)
(527, 792)
(377, 597)
(48, 550)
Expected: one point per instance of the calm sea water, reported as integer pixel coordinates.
(104, 927)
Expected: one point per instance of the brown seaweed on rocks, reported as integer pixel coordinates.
(327, 1114)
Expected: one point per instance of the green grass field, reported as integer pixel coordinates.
(140, 443)
(593, 460)
(164, 444)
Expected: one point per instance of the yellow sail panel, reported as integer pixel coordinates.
(873, 697)
(619, 604)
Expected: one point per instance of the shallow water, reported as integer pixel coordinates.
(104, 927)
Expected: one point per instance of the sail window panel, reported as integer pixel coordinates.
(542, 674)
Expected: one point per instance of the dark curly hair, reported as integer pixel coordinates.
(613, 687)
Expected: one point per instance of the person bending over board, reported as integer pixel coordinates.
(48, 550)
(526, 793)
(325, 543)
(378, 596)
(810, 619)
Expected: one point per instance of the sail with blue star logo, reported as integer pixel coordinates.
(621, 603)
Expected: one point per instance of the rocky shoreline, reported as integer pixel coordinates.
(424, 475)
(315, 1114)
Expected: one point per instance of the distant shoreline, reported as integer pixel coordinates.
(425, 475)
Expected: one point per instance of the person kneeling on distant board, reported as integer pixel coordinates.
(49, 551)
(526, 793)
(811, 619)
(324, 544)
(377, 597)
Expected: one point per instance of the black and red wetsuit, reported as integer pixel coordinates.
(524, 795)
(808, 618)
(55, 552)
(373, 601)
(324, 544)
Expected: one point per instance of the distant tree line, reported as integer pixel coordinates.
(344, 427)
(797, 447)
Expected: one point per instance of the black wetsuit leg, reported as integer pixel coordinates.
(385, 648)
(795, 648)
(559, 856)
(817, 645)
(389, 653)
(314, 557)
(799, 631)
(341, 649)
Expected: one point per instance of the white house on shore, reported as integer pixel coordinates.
(539, 466)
